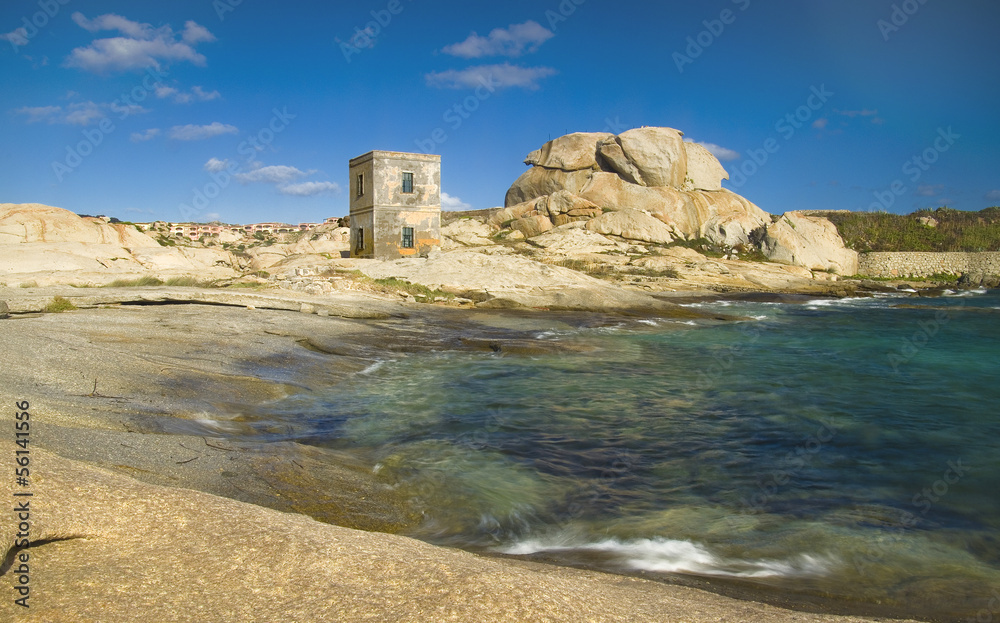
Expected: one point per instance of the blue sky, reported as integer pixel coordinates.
(248, 110)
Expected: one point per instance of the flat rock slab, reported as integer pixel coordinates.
(112, 549)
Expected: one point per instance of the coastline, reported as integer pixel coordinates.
(160, 370)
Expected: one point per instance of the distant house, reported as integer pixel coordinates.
(395, 204)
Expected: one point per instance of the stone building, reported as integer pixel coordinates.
(395, 204)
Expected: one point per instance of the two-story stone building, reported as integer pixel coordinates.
(395, 204)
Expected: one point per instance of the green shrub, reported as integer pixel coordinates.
(955, 230)
(58, 304)
(135, 283)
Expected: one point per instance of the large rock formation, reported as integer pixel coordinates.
(649, 171)
(33, 222)
(44, 245)
(810, 241)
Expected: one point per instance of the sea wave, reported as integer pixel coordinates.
(676, 556)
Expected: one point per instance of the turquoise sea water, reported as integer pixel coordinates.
(846, 451)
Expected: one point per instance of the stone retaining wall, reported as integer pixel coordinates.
(921, 264)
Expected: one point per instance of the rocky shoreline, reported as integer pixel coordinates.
(155, 504)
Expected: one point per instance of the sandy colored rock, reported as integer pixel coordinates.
(33, 222)
(704, 171)
(532, 224)
(539, 181)
(575, 240)
(632, 225)
(572, 152)
(809, 241)
(466, 232)
(658, 155)
(615, 161)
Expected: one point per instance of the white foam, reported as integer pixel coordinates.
(372, 368)
(674, 556)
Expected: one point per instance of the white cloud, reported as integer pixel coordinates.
(722, 153)
(490, 76)
(141, 46)
(930, 190)
(453, 203)
(512, 41)
(310, 189)
(856, 113)
(820, 123)
(201, 132)
(147, 135)
(18, 37)
(993, 195)
(197, 94)
(162, 91)
(214, 165)
(77, 113)
(278, 174)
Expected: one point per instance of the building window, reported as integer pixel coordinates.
(359, 243)
(361, 184)
(407, 242)
(407, 182)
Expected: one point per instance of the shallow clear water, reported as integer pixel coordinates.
(847, 450)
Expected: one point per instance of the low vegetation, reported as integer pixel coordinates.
(58, 304)
(939, 230)
(418, 291)
(147, 281)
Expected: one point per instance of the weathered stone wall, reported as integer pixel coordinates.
(923, 264)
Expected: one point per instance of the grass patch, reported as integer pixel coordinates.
(417, 290)
(135, 283)
(189, 282)
(701, 245)
(669, 272)
(601, 271)
(955, 231)
(58, 304)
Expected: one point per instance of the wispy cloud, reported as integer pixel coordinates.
(930, 190)
(214, 165)
(993, 195)
(820, 123)
(513, 41)
(720, 152)
(141, 45)
(201, 132)
(277, 174)
(856, 113)
(196, 94)
(454, 204)
(864, 112)
(77, 113)
(18, 37)
(146, 135)
(490, 76)
(309, 189)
